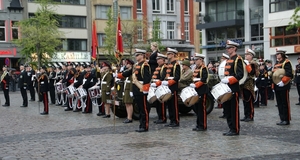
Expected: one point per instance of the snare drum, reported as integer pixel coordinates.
(221, 92)
(80, 93)
(94, 92)
(59, 87)
(163, 93)
(189, 96)
(70, 91)
(151, 97)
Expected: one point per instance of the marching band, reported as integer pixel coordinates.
(159, 82)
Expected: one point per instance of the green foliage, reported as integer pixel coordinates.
(295, 20)
(156, 34)
(110, 39)
(40, 36)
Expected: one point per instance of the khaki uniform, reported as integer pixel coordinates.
(106, 86)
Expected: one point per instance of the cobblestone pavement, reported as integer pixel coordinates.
(25, 134)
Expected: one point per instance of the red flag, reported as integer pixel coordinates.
(94, 41)
(119, 38)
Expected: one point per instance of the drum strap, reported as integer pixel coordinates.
(203, 67)
(235, 63)
(286, 61)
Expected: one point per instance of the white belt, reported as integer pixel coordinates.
(127, 81)
(42, 82)
(141, 82)
(196, 79)
(262, 78)
(155, 80)
(104, 82)
(170, 77)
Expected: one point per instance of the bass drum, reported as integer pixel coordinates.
(120, 111)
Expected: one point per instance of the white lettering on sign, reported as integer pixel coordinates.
(72, 57)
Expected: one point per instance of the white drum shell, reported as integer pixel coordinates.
(219, 90)
(187, 93)
(151, 97)
(161, 91)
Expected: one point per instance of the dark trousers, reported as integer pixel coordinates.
(45, 101)
(200, 109)
(32, 93)
(144, 109)
(40, 96)
(270, 93)
(161, 110)
(52, 94)
(248, 100)
(6, 96)
(231, 108)
(173, 108)
(89, 105)
(100, 105)
(65, 98)
(263, 95)
(59, 98)
(298, 89)
(283, 102)
(24, 96)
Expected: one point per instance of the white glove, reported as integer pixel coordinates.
(225, 80)
(192, 85)
(131, 94)
(165, 83)
(24, 87)
(114, 75)
(255, 79)
(112, 88)
(246, 61)
(145, 92)
(280, 84)
(107, 93)
(153, 85)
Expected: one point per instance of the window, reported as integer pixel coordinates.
(283, 5)
(2, 30)
(125, 13)
(221, 14)
(281, 37)
(72, 22)
(101, 39)
(256, 32)
(156, 6)
(170, 30)
(75, 45)
(170, 6)
(139, 6)
(101, 12)
(140, 33)
(186, 31)
(70, 2)
(14, 30)
(186, 6)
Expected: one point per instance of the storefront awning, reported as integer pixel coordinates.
(277, 23)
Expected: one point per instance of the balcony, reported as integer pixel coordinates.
(256, 15)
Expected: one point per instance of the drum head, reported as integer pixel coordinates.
(152, 99)
(191, 101)
(165, 97)
(224, 98)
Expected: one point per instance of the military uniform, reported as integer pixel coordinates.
(127, 85)
(297, 80)
(51, 86)
(44, 88)
(270, 82)
(23, 86)
(5, 87)
(88, 82)
(69, 79)
(262, 85)
(106, 85)
(58, 77)
(30, 86)
(78, 80)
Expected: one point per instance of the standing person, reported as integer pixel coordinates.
(13, 80)
(224, 57)
(152, 59)
(23, 85)
(297, 79)
(157, 74)
(200, 84)
(52, 75)
(269, 70)
(262, 85)
(88, 82)
(170, 78)
(187, 75)
(282, 88)
(106, 84)
(69, 79)
(247, 88)
(141, 83)
(127, 94)
(58, 78)
(44, 88)
(5, 85)
(30, 87)
(234, 72)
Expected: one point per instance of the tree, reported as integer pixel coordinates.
(40, 36)
(295, 20)
(156, 34)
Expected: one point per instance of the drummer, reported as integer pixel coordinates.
(78, 82)
(282, 88)
(106, 87)
(200, 84)
(88, 82)
(157, 74)
(234, 72)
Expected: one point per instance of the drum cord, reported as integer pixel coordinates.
(256, 96)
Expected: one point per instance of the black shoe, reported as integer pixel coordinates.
(5, 105)
(23, 106)
(231, 134)
(76, 110)
(282, 123)
(160, 121)
(32, 100)
(297, 103)
(173, 125)
(226, 133)
(68, 109)
(64, 105)
(249, 119)
(44, 113)
(127, 121)
(198, 129)
(243, 119)
(106, 116)
(223, 116)
(100, 114)
(142, 130)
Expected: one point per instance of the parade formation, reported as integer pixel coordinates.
(162, 81)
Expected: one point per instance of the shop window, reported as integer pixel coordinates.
(2, 30)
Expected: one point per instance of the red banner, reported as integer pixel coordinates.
(119, 38)
(94, 41)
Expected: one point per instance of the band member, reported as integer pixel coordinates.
(247, 89)
(106, 84)
(157, 74)
(44, 87)
(282, 88)
(170, 78)
(234, 71)
(5, 86)
(64, 72)
(262, 85)
(200, 78)
(141, 78)
(152, 59)
(297, 79)
(128, 94)
(58, 78)
(69, 79)
(52, 75)
(187, 75)
(78, 80)
(99, 100)
(30, 87)
(224, 57)
(269, 68)
(23, 85)
(88, 82)
(36, 86)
